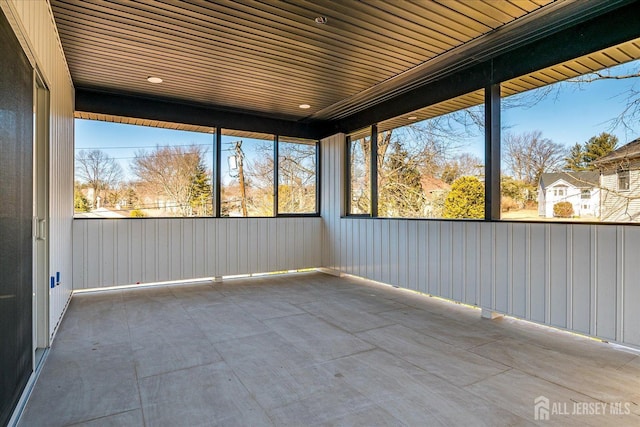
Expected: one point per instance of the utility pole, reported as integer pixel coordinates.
(243, 188)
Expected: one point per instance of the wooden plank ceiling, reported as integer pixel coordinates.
(268, 57)
(265, 56)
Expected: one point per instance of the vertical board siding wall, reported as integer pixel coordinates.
(584, 278)
(35, 27)
(127, 251)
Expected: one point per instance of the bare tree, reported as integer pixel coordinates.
(630, 113)
(464, 164)
(172, 171)
(407, 158)
(297, 177)
(528, 155)
(98, 171)
(258, 177)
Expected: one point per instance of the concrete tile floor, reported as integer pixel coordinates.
(311, 349)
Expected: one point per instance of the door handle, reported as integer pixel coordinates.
(42, 229)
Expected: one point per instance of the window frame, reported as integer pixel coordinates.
(348, 182)
(316, 213)
(623, 175)
(216, 184)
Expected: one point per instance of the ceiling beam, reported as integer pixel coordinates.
(126, 105)
(599, 32)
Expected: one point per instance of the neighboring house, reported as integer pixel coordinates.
(435, 190)
(432, 186)
(578, 188)
(620, 183)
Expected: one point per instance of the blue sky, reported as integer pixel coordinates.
(121, 141)
(572, 114)
(576, 112)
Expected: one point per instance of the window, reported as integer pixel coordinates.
(400, 169)
(247, 175)
(359, 174)
(431, 168)
(140, 171)
(577, 130)
(623, 180)
(434, 168)
(297, 175)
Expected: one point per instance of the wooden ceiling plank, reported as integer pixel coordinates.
(101, 38)
(212, 71)
(526, 5)
(433, 25)
(452, 16)
(603, 59)
(250, 16)
(471, 10)
(439, 23)
(382, 25)
(184, 85)
(228, 39)
(620, 55)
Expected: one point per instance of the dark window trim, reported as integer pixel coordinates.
(316, 212)
(347, 176)
(217, 177)
(217, 182)
(373, 173)
(276, 168)
(493, 173)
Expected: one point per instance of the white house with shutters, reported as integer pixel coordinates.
(620, 183)
(578, 188)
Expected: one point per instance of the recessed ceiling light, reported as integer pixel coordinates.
(304, 106)
(412, 118)
(152, 79)
(321, 20)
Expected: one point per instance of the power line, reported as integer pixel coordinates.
(144, 146)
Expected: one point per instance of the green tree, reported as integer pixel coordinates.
(519, 191)
(80, 203)
(466, 199)
(598, 146)
(201, 195)
(575, 159)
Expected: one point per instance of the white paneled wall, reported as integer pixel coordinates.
(584, 278)
(127, 251)
(34, 25)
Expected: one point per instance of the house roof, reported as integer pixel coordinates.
(626, 152)
(431, 183)
(582, 179)
(249, 65)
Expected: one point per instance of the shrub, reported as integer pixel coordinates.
(80, 203)
(508, 204)
(466, 199)
(137, 213)
(563, 210)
